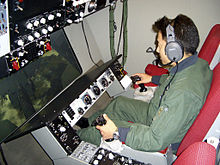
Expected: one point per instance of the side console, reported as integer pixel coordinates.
(61, 126)
(58, 138)
(103, 157)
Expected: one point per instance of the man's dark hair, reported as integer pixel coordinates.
(185, 31)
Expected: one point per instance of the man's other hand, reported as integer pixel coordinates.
(145, 78)
(108, 129)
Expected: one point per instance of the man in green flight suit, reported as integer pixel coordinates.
(176, 103)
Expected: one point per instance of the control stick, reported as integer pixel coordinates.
(137, 78)
(100, 120)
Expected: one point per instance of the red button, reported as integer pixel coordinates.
(15, 65)
(48, 46)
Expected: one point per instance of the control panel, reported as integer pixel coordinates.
(47, 17)
(85, 152)
(80, 96)
(26, 26)
(65, 134)
(29, 20)
(91, 154)
(62, 126)
(103, 157)
(82, 104)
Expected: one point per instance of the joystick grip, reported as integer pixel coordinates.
(143, 88)
(137, 78)
(100, 120)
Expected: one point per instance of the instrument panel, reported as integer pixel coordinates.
(81, 105)
(62, 126)
(26, 26)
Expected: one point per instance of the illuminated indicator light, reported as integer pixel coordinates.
(48, 46)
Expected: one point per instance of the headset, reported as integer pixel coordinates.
(174, 49)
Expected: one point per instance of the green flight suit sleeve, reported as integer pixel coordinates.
(174, 117)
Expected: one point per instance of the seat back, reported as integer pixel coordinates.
(207, 114)
(211, 44)
(199, 153)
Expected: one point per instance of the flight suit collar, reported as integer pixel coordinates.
(185, 63)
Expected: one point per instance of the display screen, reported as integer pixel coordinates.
(24, 93)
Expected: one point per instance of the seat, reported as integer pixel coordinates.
(211, 44)
(211, 108)
(199, 153)
(207, 115)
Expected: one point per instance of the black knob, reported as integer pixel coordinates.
(96, 90)
(112, 78)
(104, 82)
(87, 99)
(80, 111)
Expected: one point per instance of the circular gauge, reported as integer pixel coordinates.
(104, 82)
(87, 99)
(96, 90)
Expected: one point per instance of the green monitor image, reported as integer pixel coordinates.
(24, 93)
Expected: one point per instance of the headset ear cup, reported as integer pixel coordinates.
(174, 51)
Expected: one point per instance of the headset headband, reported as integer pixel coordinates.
(170, 33)
(173, 49)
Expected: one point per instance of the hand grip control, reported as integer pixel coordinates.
(137, 78)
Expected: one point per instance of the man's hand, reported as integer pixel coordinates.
(108, 129)
(145, 78)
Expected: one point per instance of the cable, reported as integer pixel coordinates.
(112, 29)
(120, 33)
(87, 44)
(123, 28)
(166, 88)
(125, 32)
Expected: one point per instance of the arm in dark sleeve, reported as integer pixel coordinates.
(156, 80)
(123, 133)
